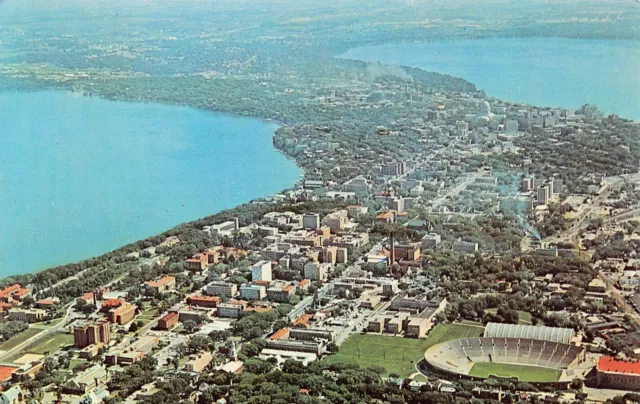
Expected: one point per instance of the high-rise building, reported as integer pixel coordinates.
(527, 184)
(98, 333)
(557, 186)
(316, 271)
(394, 168)
(261, 271)
(511, 126)
(462, 128)
(311, 221)
(543, 195)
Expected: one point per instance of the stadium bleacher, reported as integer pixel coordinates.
(459, 356)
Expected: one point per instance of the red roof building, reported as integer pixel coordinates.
(616, 374)
(168, 321)
(386, 217)
(609, 364)
(13, 292)
(198, 262)
(304, 284)
(204, 301)
(161, 285)
(45, 303)
(86, 298)
(6, 372)
(282, 333)
(111, 304)
(303, 321)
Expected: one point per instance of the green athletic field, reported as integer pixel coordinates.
(396, 354)
(523, 373)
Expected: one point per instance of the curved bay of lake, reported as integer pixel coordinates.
(81, 176)
(555, 72)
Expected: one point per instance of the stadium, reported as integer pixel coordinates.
(528, 353)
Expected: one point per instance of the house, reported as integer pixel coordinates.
(27, 371)
(222, 289)
(465, 247)
(597, 286)
(316, 271)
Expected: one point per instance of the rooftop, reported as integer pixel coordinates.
(161, 282)
(609, 364)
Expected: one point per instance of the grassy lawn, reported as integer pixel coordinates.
(524, 316)
(19, 338)
(397, 355)
(50, 344)
(147, 315)
(523, 373)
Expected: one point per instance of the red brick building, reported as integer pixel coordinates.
(204, 301)
(168, 321)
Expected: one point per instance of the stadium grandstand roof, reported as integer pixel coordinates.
(552, 334)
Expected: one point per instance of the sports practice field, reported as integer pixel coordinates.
(50, 344)
(523, 373)
(395, 354)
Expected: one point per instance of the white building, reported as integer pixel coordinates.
(253, 292)
(316, 271)
(222, 289)
(261, 271)
(223, 229)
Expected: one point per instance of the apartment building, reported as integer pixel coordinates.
(98, 333)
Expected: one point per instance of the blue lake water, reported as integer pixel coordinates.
(540, 71)
(81, 176)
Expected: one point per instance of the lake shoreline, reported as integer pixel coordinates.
(561, 79)
(178, 154)
(301, 175)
